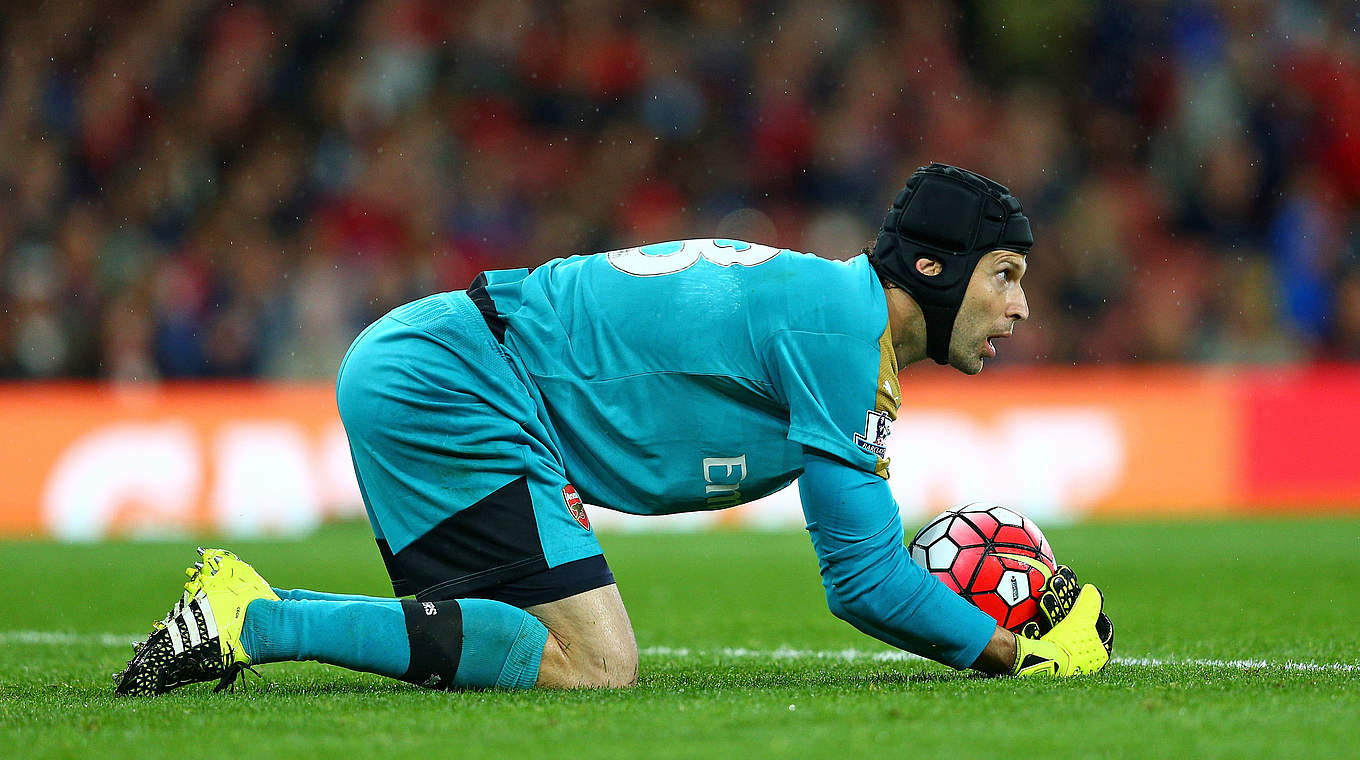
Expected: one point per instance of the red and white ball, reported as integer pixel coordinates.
(991, 555)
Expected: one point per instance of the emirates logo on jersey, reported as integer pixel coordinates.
(574, 506)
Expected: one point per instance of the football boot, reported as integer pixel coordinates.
(200, 639)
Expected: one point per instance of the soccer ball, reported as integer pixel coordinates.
(992, 556)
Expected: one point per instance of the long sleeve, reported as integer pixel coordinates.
(869, 578)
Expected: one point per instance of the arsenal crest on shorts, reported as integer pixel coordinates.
(574, 506)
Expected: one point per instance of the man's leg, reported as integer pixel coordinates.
(585, 640)
(458, 643)
(468, 499)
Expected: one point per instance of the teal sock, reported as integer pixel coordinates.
(467, 643)
(359, 635)
(300, 594)
(502, 646)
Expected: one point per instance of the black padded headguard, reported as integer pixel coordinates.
(954, 217)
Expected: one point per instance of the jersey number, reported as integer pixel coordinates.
(679, 255)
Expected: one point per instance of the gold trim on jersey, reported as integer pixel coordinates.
(889, 394)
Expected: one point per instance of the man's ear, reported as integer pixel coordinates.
(929, 267)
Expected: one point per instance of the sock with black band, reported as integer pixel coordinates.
(468, 643)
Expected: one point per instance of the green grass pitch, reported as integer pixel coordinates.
(739, 658)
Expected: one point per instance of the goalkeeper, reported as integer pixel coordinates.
(682, 376)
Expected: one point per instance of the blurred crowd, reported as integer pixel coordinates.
(234, 189)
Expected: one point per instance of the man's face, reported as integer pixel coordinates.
(992, 305)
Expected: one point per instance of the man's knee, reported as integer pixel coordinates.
(590, 664)
(620, 672)
(590, 642)
(613, 665)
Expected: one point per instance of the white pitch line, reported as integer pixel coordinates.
(56, 638)
(1306, 667)
(851, 655)
(781, 653)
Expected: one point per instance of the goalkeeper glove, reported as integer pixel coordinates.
(1075, 646)
(1059, 594)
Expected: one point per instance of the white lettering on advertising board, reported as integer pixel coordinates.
(149, 479)
(254, 477)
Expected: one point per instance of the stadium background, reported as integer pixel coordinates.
(205, 201)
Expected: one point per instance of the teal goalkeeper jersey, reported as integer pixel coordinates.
(689, 375)
(699, 374)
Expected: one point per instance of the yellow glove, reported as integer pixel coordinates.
(1059, 594)
(1075, 645)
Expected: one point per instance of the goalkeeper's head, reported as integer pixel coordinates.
(943, 223)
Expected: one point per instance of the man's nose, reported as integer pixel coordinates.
(1018, 309)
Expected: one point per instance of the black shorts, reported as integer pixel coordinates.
(490, 551)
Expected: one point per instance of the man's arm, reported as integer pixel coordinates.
(872, 583)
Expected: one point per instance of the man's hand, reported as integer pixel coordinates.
(1076, 645)
(1059, 595)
